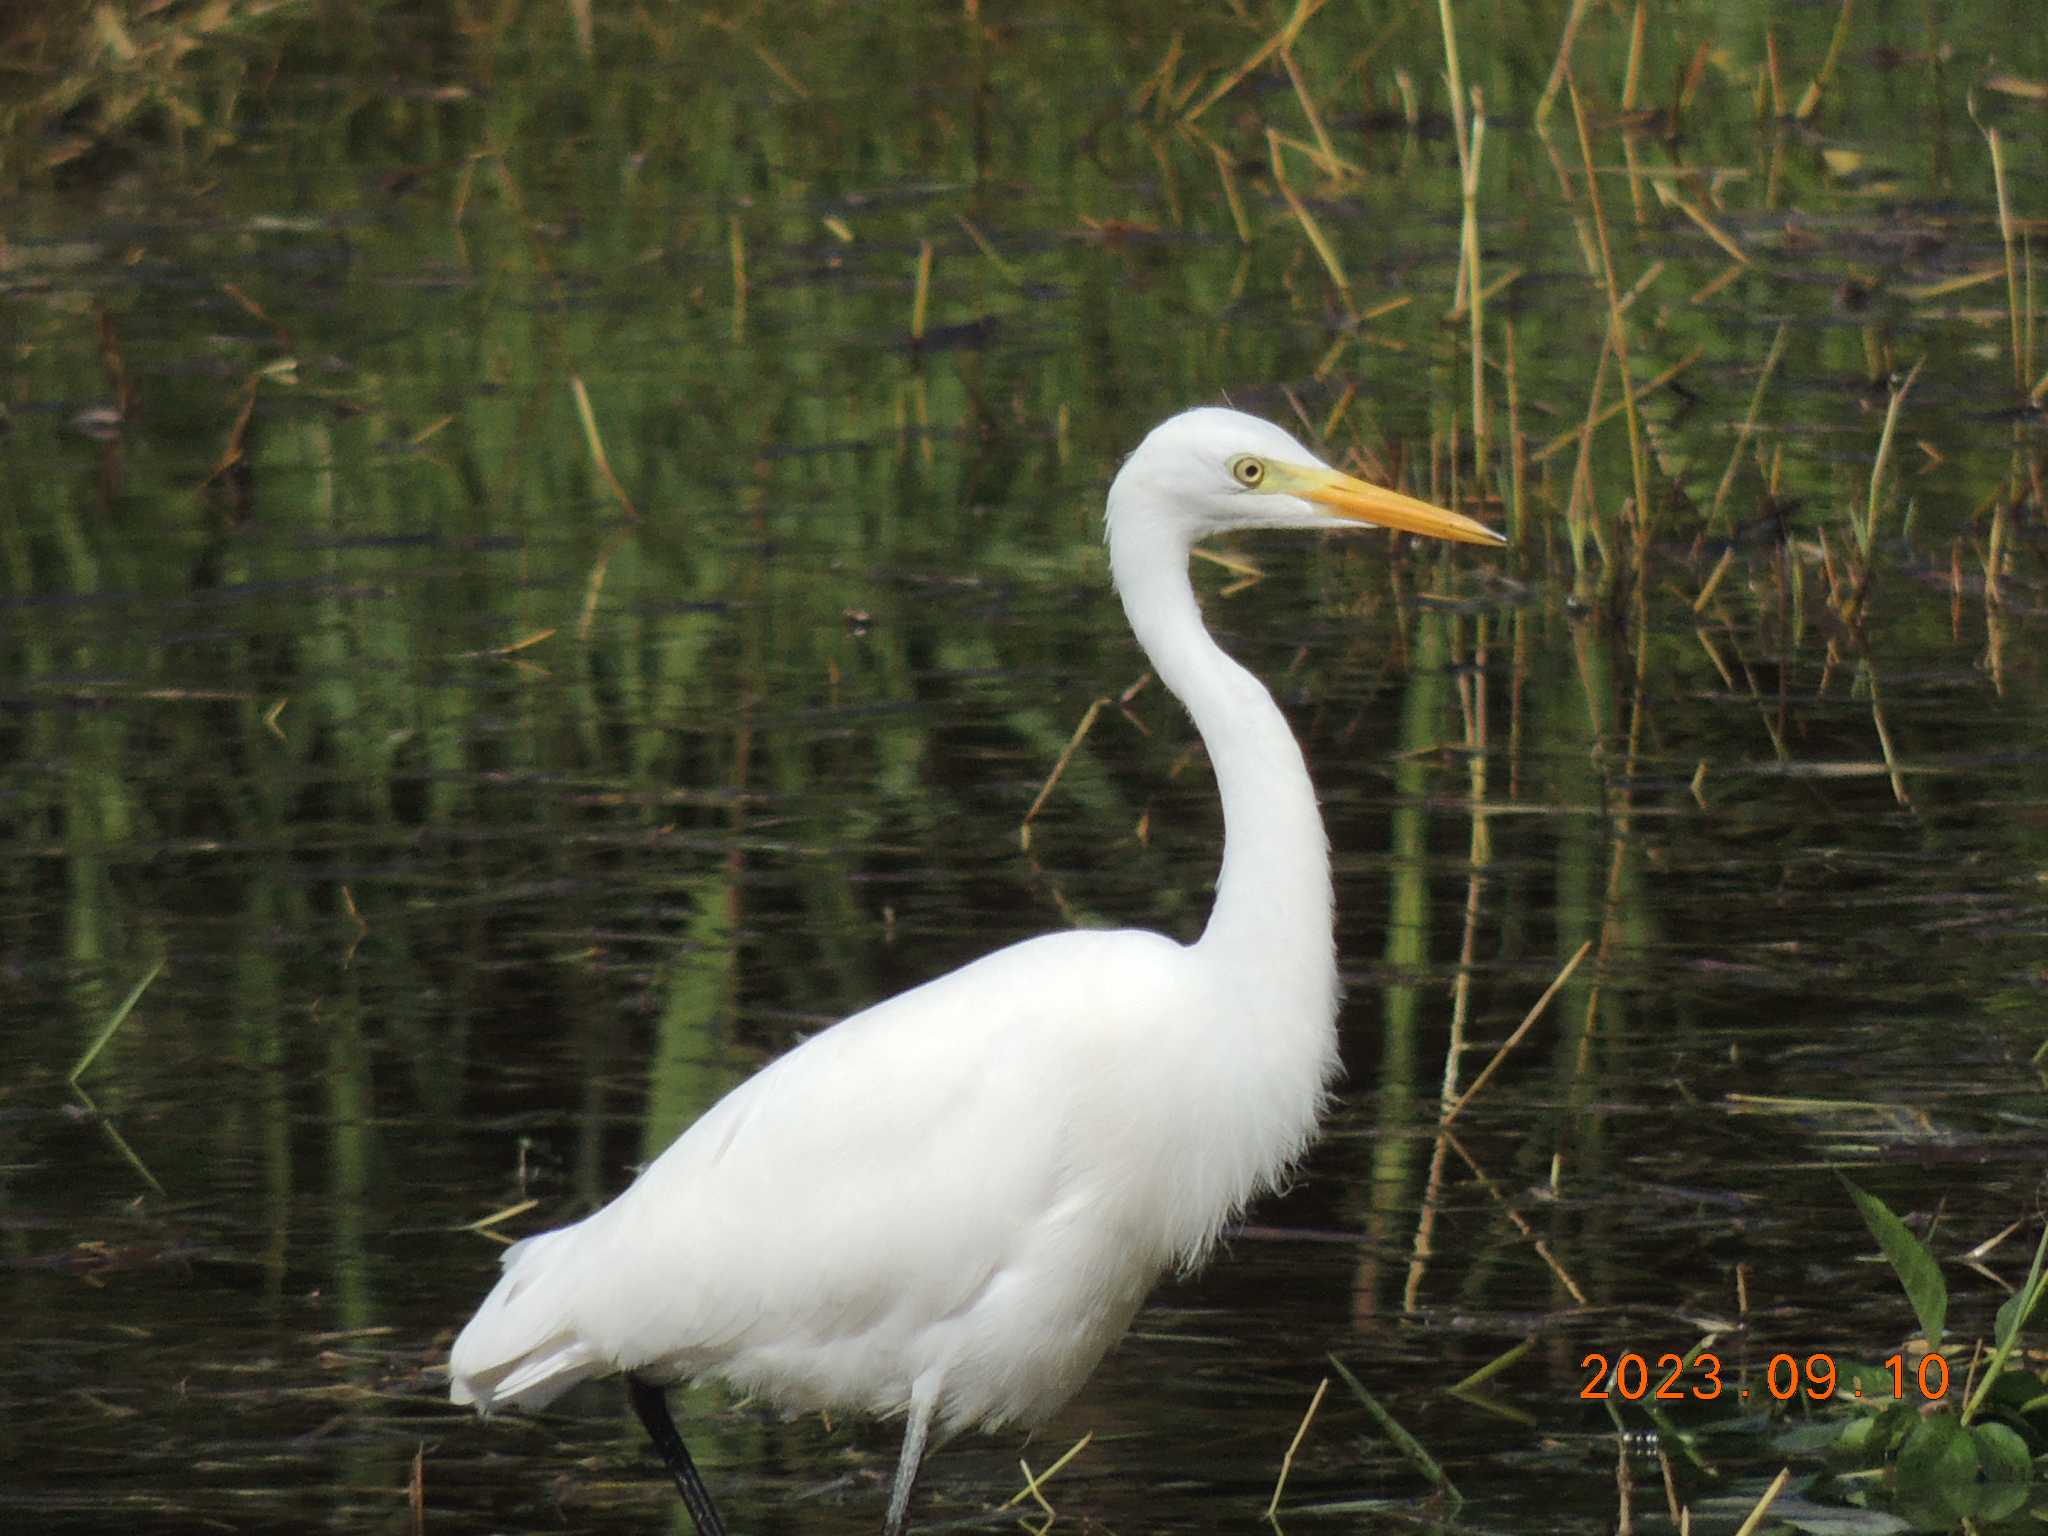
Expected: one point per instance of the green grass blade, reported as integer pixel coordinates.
(2012, 1318)
(1406, 1443)
(1910, 1261)
(120, 1017)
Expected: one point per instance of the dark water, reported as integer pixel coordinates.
(490, 818)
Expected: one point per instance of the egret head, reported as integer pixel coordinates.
(1210, 470)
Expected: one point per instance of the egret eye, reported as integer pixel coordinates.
(1247, 472)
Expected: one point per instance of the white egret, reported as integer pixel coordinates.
(950, 1205)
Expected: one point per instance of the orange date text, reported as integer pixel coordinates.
(1672, 1377)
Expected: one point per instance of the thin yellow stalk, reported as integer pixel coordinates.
(921, 299)
(1755, 1521)
(1480, 423)
(1310, 227)
(1669, 196)
(1066, 756)
(1034, 1484)
(2012, 273)
(1617, 330)
(1536, 1011)
(1293, 1446)
(1518, 458)
(1714, 285)
(1469, 139)
(1284, 38)
(1714, 581)
(1230, 194)
(1811, 99)
(595, 442)
(1756, 405)
(737, 239)
(1565, 439)
(981, 244)
(1457, 83)
(1562, 67)
(1633, 79)
(1884, 453)
(1308, 109)
(1160, 81)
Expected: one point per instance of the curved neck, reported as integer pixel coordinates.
(1273, 912)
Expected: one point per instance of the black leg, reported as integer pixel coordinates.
(651, 1403)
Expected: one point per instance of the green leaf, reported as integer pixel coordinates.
(1910, 1261)
(2018, 1308)
(1938, 1467)
(2005, 1467)
(2002, 1454)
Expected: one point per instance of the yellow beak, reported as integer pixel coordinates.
(1362, 503)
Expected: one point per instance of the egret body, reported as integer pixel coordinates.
(951, 1204)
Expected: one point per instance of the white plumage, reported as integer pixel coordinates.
(951, 1204)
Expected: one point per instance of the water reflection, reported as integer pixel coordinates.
(492, 811)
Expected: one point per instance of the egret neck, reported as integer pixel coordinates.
(1274, 907)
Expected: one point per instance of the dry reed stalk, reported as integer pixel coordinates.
(1469, 137)
(1333, 166)
(1536, 1011)
(2012, 273)
(1337, 411)
(1180, 97)
(1471, 685)
(1811, 98)
(1714, 579)
(1423, 1247)
(1160, 82)
(1920, 293)
(595, 443)
(1469, 238)
(1565, 439)
(593, 586)
(1633, 77)
(920, 298)
(1562, 67)
(1884, 738)
(736, 241)
(1756, 405)
(1688, 88)
(1617, 328)
(1447, 1137)
(1884, 452)
(1317, 240)
(1034, 1485)
(981, 243)
(1293, 1446)
(1066, 756)
(1324, 148)
(1518, 455)
(1284, 38)
(257, 312)
(1230, 193)
(1456, 81)
(1755, 1521)
(1714, 285)
(1669, 196)
(1578, 510)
